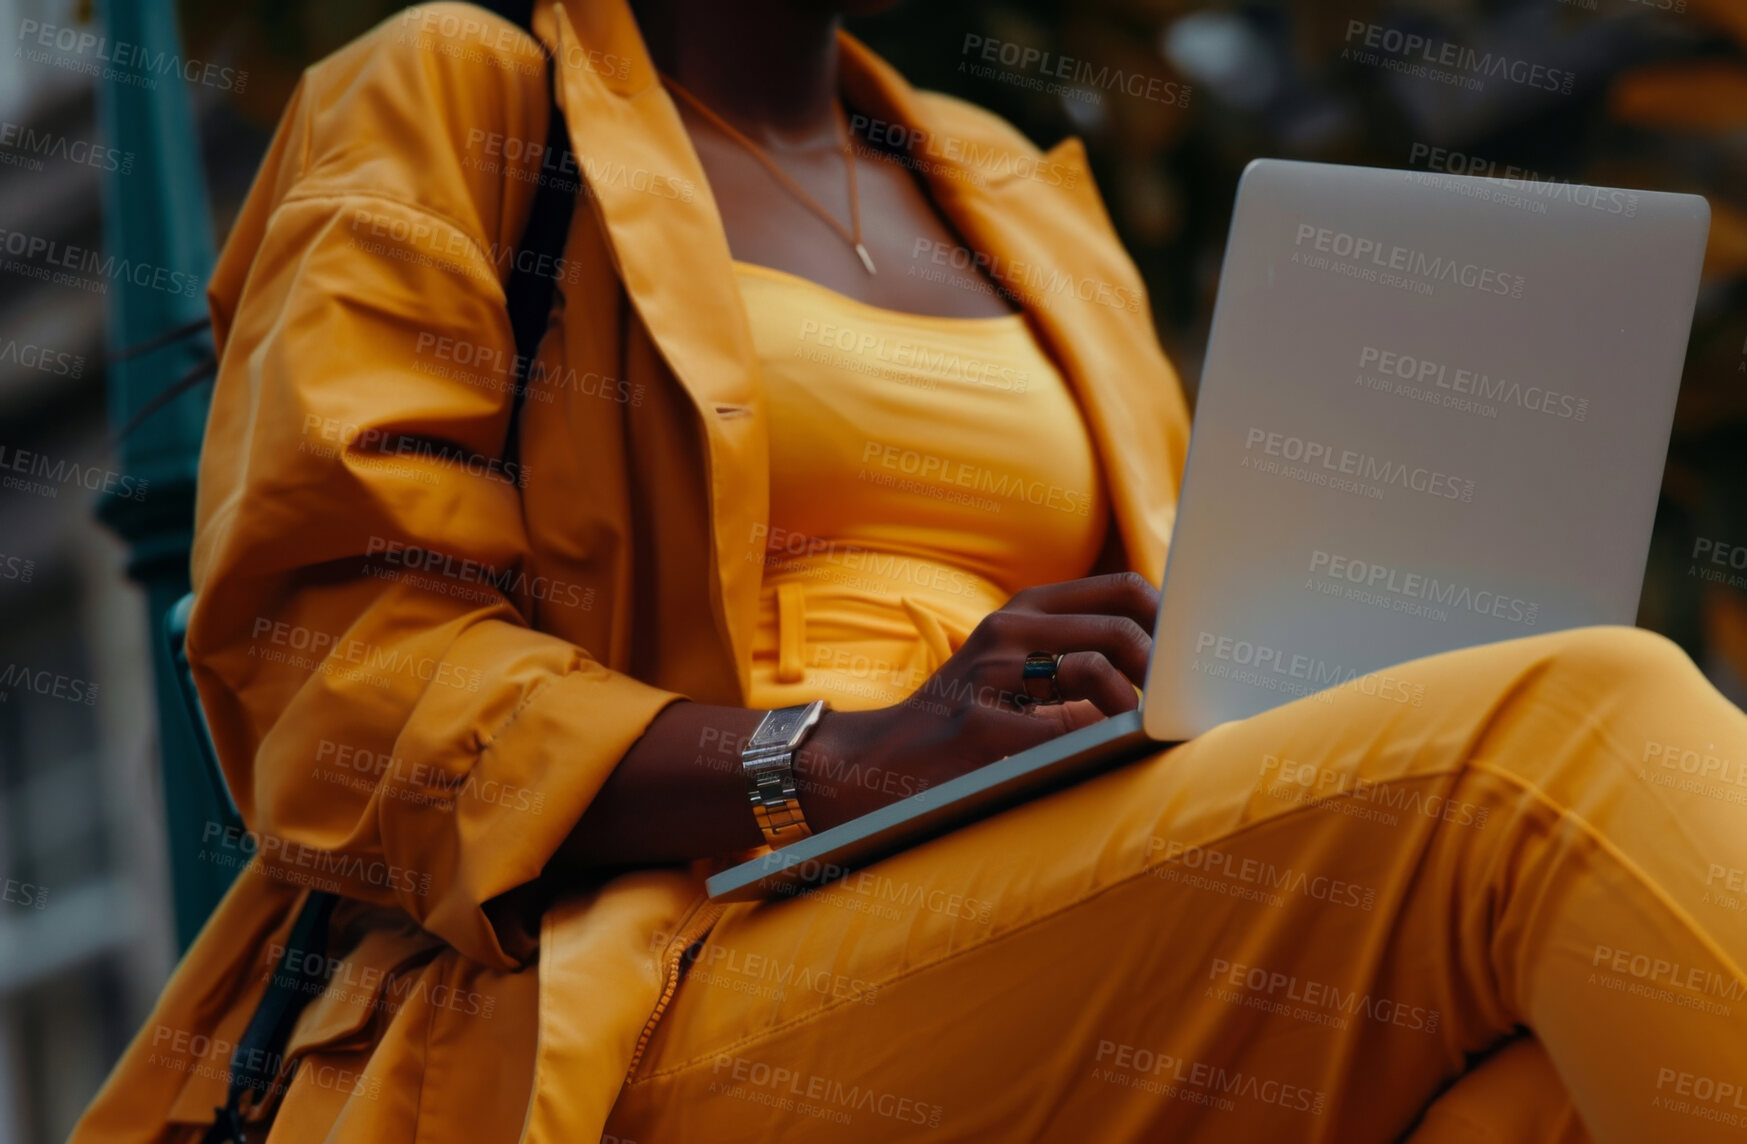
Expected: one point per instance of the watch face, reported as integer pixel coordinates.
(779, 727)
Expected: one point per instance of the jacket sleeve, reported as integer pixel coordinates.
(391, 726)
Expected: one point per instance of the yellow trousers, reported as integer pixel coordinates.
(1494, 895)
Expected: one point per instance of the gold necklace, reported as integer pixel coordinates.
(851, 236)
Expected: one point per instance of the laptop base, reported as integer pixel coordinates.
(1032, 773)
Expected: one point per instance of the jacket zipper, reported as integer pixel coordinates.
(695, 927)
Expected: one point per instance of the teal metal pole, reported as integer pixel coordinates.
(156, 215)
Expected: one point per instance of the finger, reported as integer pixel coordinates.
(1119, 639)
(1060, 718)
(1116, 594)
(1089, 676)
(1007, 732)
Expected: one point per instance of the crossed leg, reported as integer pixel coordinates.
(1301, 926)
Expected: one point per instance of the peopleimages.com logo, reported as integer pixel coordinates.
(26, 146)
(51, 475)
(1074, 72)
(120, 60)
(1391, 256)
(61, 263)
(44, 682)
(1472, 382)
(494, 42)
(1371, 582)
(28, 355)
(1447, 61)
(16, 568)
(1308, 458)
(1528, 186)
(982, 159)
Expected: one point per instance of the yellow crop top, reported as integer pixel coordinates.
(922, 471)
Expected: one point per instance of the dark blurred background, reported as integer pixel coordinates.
(1657, 100)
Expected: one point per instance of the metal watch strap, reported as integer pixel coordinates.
(769, 762)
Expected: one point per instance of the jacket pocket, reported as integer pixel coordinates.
(371, 949)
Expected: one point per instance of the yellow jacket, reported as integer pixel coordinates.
(421, 652)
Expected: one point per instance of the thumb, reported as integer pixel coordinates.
(1015, 731)
(1069, 716)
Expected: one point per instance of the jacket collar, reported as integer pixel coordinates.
(1044, 233)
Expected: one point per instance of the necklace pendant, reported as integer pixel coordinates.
(866, 258)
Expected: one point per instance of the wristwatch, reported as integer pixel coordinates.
(769, 762)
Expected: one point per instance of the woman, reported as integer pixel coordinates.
(874, 433)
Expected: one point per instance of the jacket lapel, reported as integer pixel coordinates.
(1052, 245)
(671, 252)
(648, 189)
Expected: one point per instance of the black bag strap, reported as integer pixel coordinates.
(533, 279)
(260, 1051)
(528, 293)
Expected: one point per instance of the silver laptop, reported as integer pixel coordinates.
(1434, 414)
